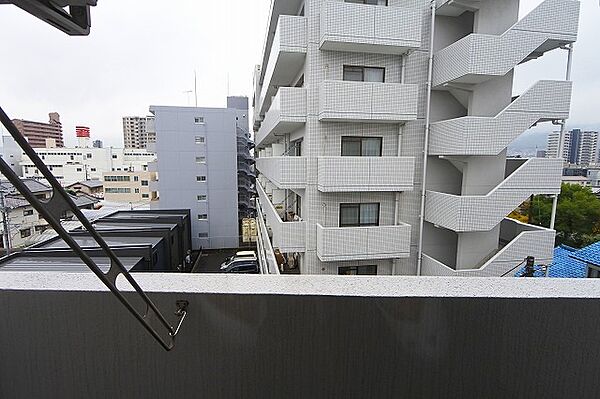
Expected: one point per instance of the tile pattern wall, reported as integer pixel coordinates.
(483, 213)
(553, 23)
(546, 100)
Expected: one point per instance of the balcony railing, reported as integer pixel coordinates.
(286, 58)
(369, 29)
(484, 212)
(287, 236)
(283, 172)
(472, 135)
(523, 240)
(340, 174)
(346, 101)
(287, 113)
(363, 243)
(477, 58)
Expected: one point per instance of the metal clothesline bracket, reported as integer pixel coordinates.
(51, 211)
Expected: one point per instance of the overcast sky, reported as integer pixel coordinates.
(145, 52)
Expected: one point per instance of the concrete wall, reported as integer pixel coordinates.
(299, 337)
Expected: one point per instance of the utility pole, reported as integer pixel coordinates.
(6, 233)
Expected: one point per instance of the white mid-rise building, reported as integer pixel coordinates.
(71, 165)
(555, 142)
(345, 109)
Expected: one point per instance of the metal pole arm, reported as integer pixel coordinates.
(52, 209)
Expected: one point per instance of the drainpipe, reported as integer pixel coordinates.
(426, 147)
(398, 153)
(563, 127)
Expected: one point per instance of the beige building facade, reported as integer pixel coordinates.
(131, 187)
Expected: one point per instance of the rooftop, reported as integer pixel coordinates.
(35, 186)
(89, 183)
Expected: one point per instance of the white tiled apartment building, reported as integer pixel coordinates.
(343, 104)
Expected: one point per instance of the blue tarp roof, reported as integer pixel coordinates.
(567, 263)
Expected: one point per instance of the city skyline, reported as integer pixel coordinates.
(123, 88)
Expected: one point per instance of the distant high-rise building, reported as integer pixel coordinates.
(138, 131)
(578, 147)
(37, 133)
(97, 144)
(587, 148)
(554, 143)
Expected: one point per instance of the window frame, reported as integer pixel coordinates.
(341, 269)
(359, 205)
(365, 2)
(360, 139)
(363, 67)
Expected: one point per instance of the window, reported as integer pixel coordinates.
(201, 197)
(364, 74)
(136, 178)
(199, 139)
(28, 212)
(93, 169)
(202, 216)
(114, 157)
(361, 146)
(371, 2)
(137, 191)
(144, 182)
(25, 233)
(202, 235)
(200, 159)
(79, 169)
(199, 120)
(88, 156)
(40, 229)
(200, 178)
(117, 190)
(355, 215)
(116, 178)
(358, 270)
(145, 195)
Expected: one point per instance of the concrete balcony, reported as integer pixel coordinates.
(344, 101)
(547, 100)
(369, 29)
(283, 172)
(477, 58)
(287, 236)
(286, 58)
(343, 174)
(476, 328)
(465, 213)
(517, 241)
(287, 113)
(363, 243)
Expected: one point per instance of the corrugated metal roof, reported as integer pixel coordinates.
(35, 186)
(589, 254)
(563, 265)
(24, 263)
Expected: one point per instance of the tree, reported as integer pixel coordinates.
(577, 216)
